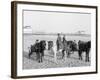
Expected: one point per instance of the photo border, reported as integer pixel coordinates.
(14, 37)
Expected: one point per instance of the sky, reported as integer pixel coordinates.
(57, 22)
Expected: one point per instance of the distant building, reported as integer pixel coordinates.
(80, 32)
(28, 29)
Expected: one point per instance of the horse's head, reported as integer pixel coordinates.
(43, 44)
(73, 45)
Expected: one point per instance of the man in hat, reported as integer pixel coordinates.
(58, 42)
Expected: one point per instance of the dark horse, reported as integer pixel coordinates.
(50, 44)
(84, 47)
(69, 46)
(73, 45)
(38, 48)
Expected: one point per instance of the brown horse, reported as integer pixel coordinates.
(38, 48)
(84, 47)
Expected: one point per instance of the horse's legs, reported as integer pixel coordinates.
(57, 47)
(87, 56)
(80, 55)
(41, 56)
(38, 57)
(72, 51)
(68, 53)
(48, 47)
(30, 53)
(63, 54)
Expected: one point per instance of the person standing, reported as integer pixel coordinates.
(59, 42)
(64, 42)
(37, 47)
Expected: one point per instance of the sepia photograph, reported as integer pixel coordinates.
(53, 39)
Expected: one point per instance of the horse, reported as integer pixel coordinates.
(69, 46)
(50, 45)
(64, 47)
(73, 45)
(38, 48)
(84, 47)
